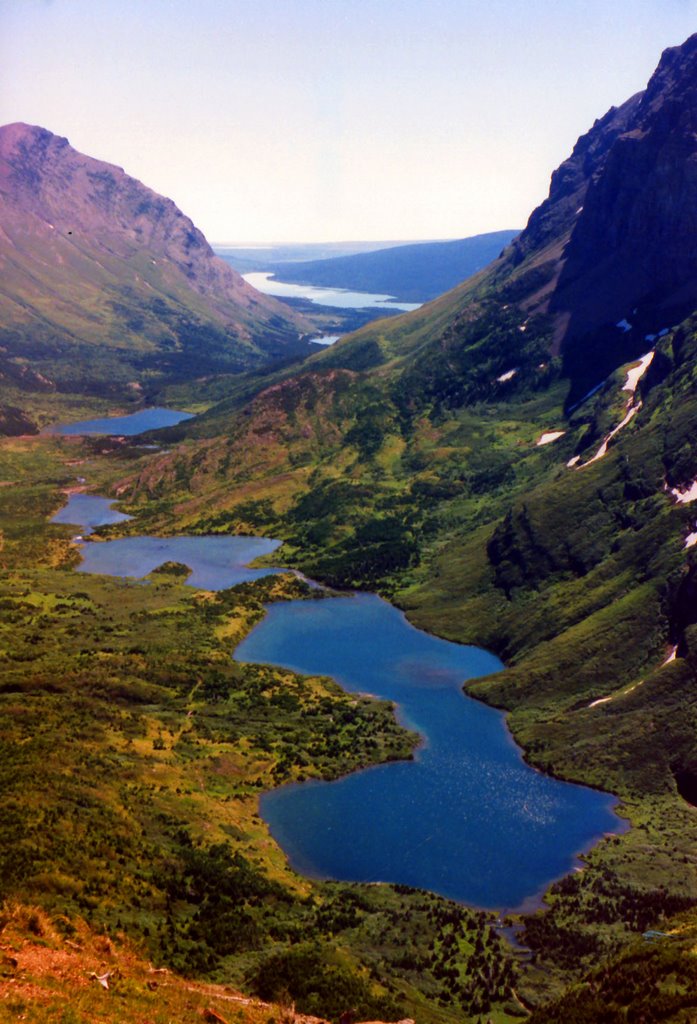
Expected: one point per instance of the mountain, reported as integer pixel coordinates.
(247, 258)
(605, 260)
(515, 465)
(410, 273)
(104, 282)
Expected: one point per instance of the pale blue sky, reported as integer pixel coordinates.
(317, 120)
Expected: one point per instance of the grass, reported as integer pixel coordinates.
(134, 751)
(577, 577)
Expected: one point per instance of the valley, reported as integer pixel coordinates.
(511, 465)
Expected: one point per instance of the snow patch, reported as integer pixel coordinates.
(624, 325)
(672, 656)
(638, 371)
(633, 406)
(553, 435)
(691, 540)
(574, 461)
(686, 496)
(614, 696)
(601, 700)
(507, 376)
(603, 448)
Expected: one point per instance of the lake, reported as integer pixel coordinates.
(88, 511)
(340, 298)
(215, 562)
(134, 423)
(467, 818)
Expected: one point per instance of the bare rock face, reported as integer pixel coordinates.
(610, 255)
(91, 257)
(633, 245)
(557, 215)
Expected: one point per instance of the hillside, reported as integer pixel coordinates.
(604, 261)
(514, 464)
(410, 273)
(106, 286)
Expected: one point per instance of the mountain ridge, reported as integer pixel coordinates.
(414, 272)
(93, 259)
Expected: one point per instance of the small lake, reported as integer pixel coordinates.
(324, 339)
(134, 423)
(340, 298)
(88, 512)
(215, 562)
(467, 818)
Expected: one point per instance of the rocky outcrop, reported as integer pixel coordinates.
(632, 249)
(553, 219)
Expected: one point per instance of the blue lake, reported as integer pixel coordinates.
(135, 423)
(216, 562)
(467, 818)
(341, 298)
(89, 512)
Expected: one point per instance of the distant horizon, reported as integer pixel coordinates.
(436, 120)
(275, 244)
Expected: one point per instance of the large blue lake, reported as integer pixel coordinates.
(466, 818)
(127, 426)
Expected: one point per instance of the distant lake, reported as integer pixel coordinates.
(340, 298)
(324, 339)
(468, 818)
(134, 423)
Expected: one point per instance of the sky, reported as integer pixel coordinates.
(332, 120)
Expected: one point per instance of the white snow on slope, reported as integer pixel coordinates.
(638, 371)
(686, 496)
(553, 435)
(633, 377)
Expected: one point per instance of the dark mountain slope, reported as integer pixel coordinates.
(611, 245)
(103, 280)
(412, 273)
(633, 243)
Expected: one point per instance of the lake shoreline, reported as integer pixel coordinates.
(422, 737)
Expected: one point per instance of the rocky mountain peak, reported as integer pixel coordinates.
(632, 247)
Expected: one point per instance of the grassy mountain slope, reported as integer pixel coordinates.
(408, 459)
(106, 285)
